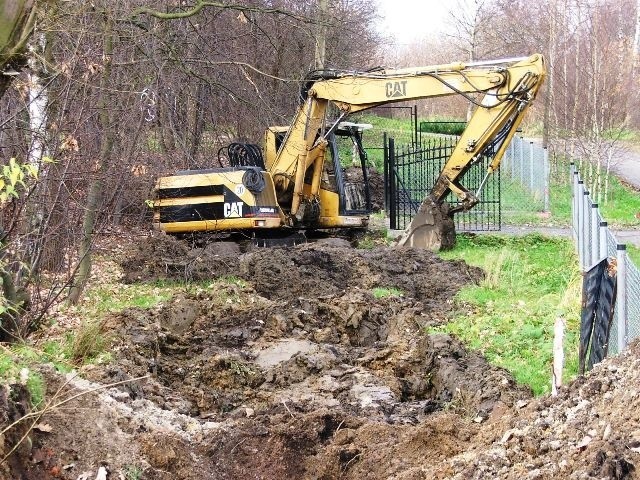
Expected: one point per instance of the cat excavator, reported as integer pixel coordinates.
(296, 182)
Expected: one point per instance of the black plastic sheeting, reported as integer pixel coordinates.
(598, 303)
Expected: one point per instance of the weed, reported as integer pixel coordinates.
(233, 280)
(384, 292)
(132, 472)
(460, 403)
(240, 369)
(503, 269)
(14, 369)
(88, 342)
(373, 237)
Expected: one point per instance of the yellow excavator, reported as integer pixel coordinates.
(291, 184)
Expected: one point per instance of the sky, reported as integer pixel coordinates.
(409, 20)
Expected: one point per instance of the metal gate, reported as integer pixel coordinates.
(410, 172)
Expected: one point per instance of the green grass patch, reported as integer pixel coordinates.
(621, 206)
(385, 292)
(400, 129)
(509, 317)
(443, 126)
(634, 253)
(108, 298)
(16, 367)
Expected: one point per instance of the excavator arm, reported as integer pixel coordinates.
(505, 87)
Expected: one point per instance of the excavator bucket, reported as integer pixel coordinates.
(432, 228)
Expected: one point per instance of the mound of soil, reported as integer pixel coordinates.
(15, 403)
(301, 371)
(287, 374)
(589, 431)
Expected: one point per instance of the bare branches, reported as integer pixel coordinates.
(201, 4)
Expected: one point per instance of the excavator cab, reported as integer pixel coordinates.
(352, 184)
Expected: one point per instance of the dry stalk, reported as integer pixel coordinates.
(52, 405)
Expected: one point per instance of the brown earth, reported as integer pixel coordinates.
(293, 368)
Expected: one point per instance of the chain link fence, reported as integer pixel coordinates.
(525, 173)
(596, 242)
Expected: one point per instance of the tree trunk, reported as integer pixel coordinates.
(95, 190)
(632, 114)
(17, 18)
(551, 48)
(321, 34)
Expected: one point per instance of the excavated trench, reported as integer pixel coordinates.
(293, 354)
(305, 362)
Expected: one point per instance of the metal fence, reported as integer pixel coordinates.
(411, 170)
(514, 195)
(595, 242)
(525, 177)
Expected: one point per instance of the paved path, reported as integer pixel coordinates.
(626, 165)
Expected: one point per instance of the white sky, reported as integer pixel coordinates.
(408, 20)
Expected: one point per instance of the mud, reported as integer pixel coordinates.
(283, 363)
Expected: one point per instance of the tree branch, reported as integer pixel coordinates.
(200, 4)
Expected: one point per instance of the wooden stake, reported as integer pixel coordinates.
(558, 355)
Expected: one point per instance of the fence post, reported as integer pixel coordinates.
(521, 160)
(595, 234)
(531, 169)
(392, 186)
(604, 247)
(385, 169)
(586, 229)
(621, 296)
(574, 202)
(547, 180)
(512, 156)
(580, 219)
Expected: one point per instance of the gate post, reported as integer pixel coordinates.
(385, 169)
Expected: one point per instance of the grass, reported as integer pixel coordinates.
(621, 206)
(634, 253)
(400, 129)
(16, 367)
(509, 317)
(108, 298)
(444, 126)
(385, 292)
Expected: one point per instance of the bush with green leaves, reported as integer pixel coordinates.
(13, 179)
